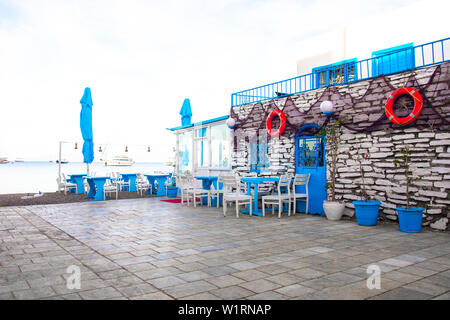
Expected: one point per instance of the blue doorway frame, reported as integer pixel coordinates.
(310, 157)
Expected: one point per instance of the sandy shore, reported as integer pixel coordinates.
(53, 198)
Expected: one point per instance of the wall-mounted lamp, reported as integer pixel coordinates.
(76, 145)
(231, 123)
(126, 148)
(148, 149)
(327, 108)
(100, 149)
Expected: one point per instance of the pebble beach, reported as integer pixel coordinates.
(29, 199)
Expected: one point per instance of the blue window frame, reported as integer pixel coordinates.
(202, 146)
(336, 73)
(259, 159)
(310, 152)
(392, 60)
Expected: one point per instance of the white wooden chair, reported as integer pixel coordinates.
(279, 198)
(142, 184)
(261, 192)
(230, 183)
(63, 184)
(184, 182)
(119, 182)
(244, 185)
(109, 188)
(300, 180)
(168, 183)
(198, 191)
(86, 186)
(215, 193)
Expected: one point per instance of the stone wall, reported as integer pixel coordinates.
(367, 131)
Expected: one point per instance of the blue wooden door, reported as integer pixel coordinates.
(310, 158)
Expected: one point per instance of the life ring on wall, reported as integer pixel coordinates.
(279, 131)
(418, 105)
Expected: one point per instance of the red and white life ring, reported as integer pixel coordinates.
(280, 130)
(418, 105)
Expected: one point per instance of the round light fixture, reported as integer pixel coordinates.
(231, 123)
(327, 107)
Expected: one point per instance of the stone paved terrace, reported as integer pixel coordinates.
(149, 249)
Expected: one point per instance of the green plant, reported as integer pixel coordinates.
(404, 163)
(332, 133)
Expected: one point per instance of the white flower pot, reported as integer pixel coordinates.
(333, 209)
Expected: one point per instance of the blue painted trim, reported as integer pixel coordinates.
(427, 54)
(383, 52)
(199, 123)
(335, 64)
(256, 161)
(392, 60)
(342, 66)
(307, 126)
(318, 177)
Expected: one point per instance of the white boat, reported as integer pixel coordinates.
(3, 160)
(170, 163)
(119, 161)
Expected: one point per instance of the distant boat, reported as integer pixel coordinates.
(4, 160)
(170, 163)
(18, 160)
(119, 161)
(63, 161)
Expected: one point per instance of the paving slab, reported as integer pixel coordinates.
(149, 249)
(402, 294)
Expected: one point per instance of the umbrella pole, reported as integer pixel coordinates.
(59, 164)
(87, 167)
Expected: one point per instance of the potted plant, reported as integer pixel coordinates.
(172, 190)
(366, 210)
(333, 209)
(409, 218)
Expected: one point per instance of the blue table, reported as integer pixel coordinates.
(161, 179)
(96, 187)
(255, 210)
(78, 179)
(132, 178)
(207, 181)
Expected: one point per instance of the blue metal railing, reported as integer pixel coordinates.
(408, 59)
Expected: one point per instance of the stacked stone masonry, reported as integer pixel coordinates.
(362, 103)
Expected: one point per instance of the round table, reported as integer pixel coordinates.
(207, 181)
(161, 179)
(96, 187)
(78, 179)
(132, 178)
(256, 181)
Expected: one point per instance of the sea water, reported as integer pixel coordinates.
(34, 176)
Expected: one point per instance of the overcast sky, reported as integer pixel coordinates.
(141, 59)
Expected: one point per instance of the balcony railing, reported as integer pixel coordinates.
(406, 59)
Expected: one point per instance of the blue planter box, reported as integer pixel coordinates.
(367, 212)
(172, 192)
(410, 219)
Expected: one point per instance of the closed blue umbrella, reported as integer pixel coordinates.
(86, 127)
(186, 112)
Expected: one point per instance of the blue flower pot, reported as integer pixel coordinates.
(367, 212)
(172, 192)
(410, 219)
